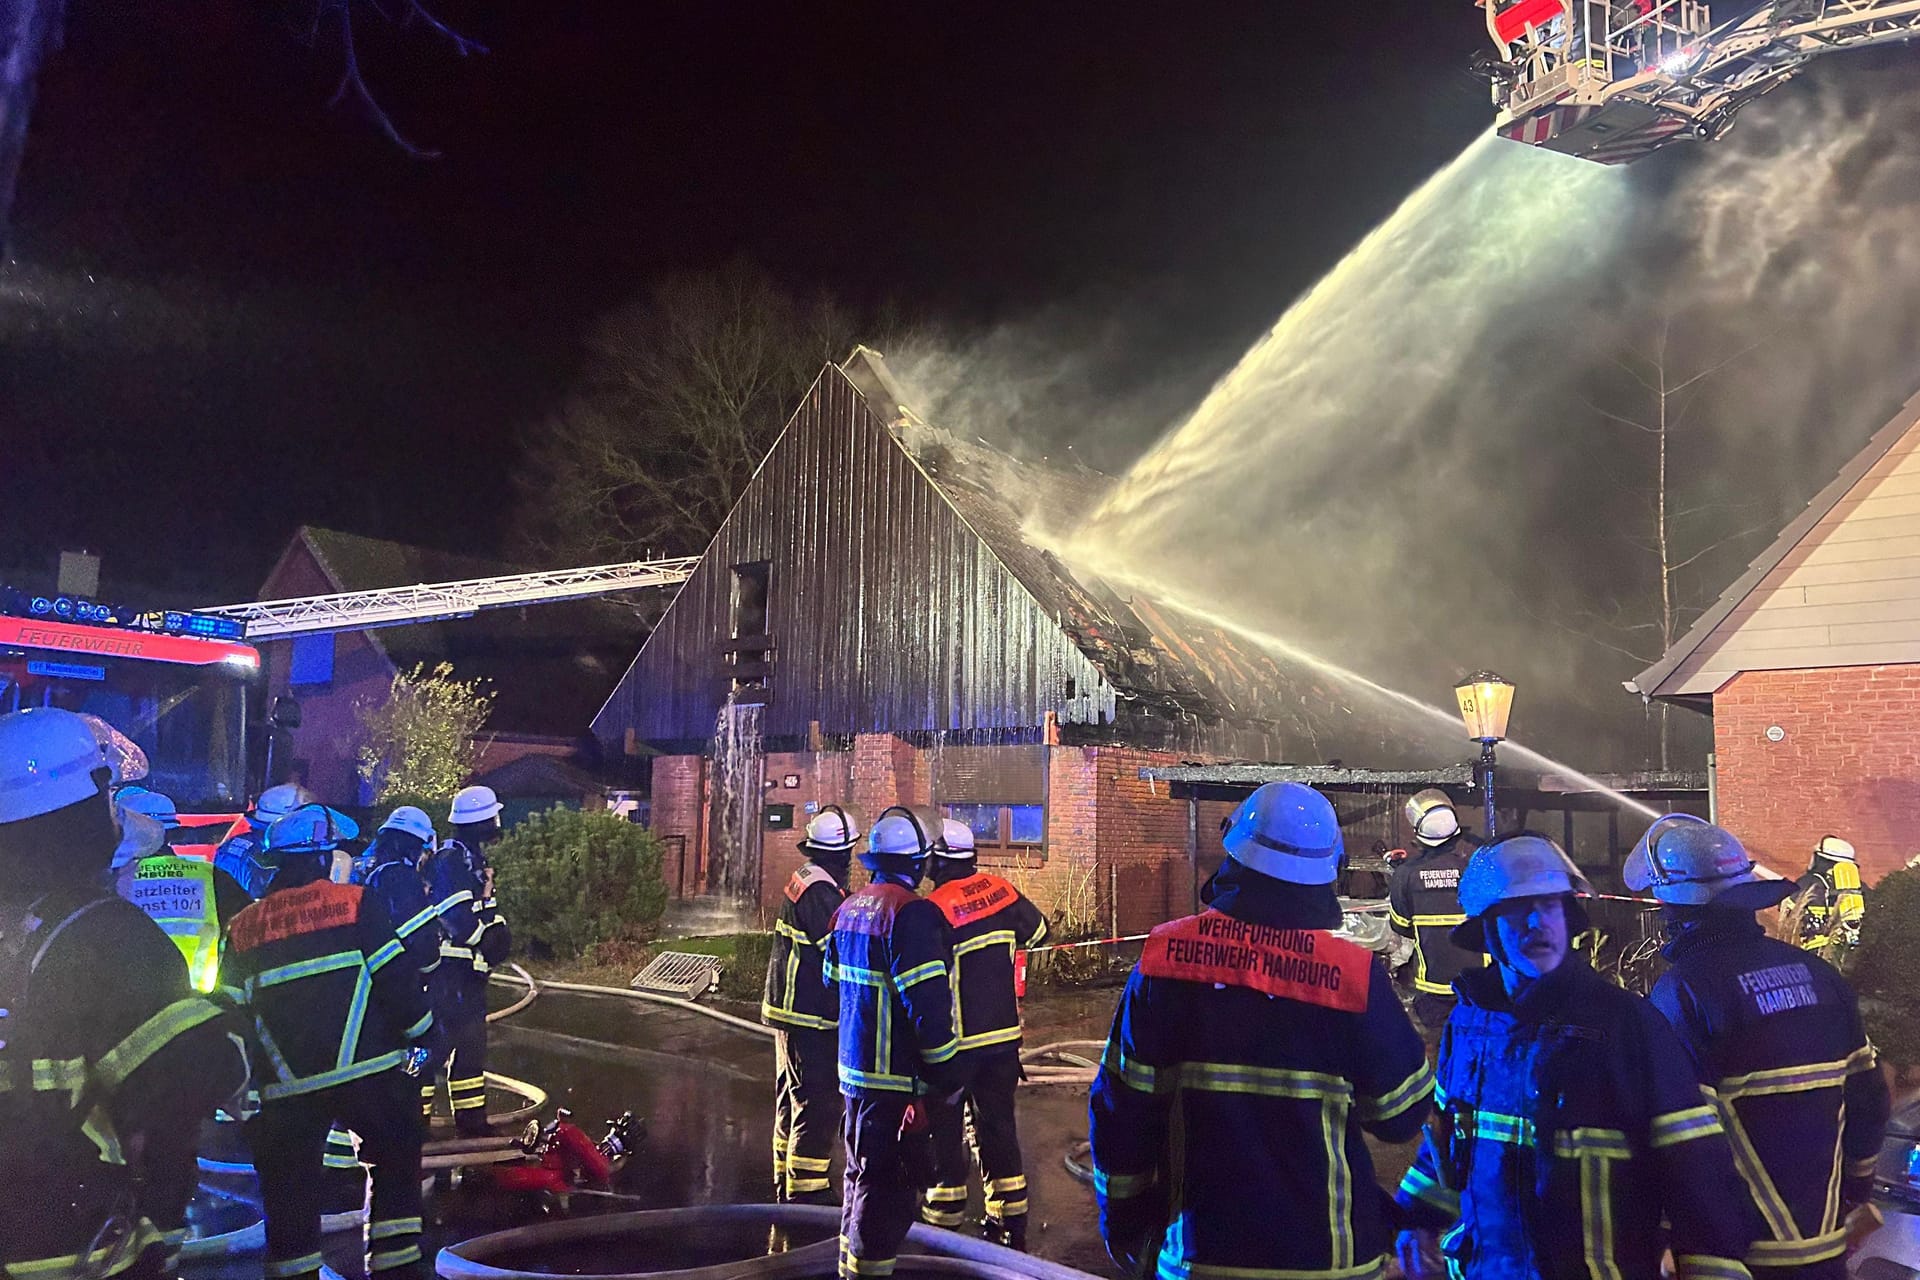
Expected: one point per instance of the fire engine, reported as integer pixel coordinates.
(1615, 80)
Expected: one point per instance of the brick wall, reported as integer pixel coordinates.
(677, 782)
(1848, 765)
(823, 778)
(1142, 841)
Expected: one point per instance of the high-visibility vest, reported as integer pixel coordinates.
(177, 894)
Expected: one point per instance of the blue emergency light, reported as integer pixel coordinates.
(170, 622)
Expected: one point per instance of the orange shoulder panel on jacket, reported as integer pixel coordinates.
(1308, 965)
(975, 898)
(290, 913)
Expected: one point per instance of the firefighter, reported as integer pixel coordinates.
(244, 856)
(474, 938)
(889, 960)
(390, 873)
(189, 898)
(111, 1059)
(805, 1013)
(1571, 1123)
(1775, 1034)
(990, 920)
(341, 1016)
(1250, 1050)
(1423, 903)
(1833, 905)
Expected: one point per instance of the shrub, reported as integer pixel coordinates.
(1883, 969)
(570, 878)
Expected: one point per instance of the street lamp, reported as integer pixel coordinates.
(1486, 700)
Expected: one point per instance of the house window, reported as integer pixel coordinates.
(750, 582)
(311, 662)
(1005, 832)
(749, 654)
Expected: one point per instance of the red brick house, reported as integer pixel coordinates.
(873, 623)
(550, 666)
(1810, 666)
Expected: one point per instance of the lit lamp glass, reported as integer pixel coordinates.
(1486, 700)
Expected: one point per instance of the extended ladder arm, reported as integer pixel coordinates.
(398, 606)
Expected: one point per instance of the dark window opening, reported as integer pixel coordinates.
(750, 583)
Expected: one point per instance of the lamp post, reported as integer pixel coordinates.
(1486, 700)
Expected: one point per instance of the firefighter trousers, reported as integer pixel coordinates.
(878, 1200)
(989, 1105)
(806, 1114)
(460, 1009)
(288, 1140)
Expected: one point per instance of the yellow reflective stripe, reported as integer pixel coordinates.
(293, 1266)
(1272, 1082)
(1399, 1098)
(787, 1017)
(391, 1258)
(1684, 1126)
(1862, 1167)
(985, 1038)
(999, 937)
(921, 973)
(947, 1194)
(108, 1260)
(327, 1079)
(1702, 1266)
(941, 1053)
(1018, 1182)
(151, 1036)
(1122, 1186)
(305, 969)
(1333, 1133)
(852, 1264)
(1766, 1197)
(942, 1217)
(1596, 1149)
(1796, 1079)
(50, 1075)
(1797, 1253)
(796, 933)
(1134, 1074)
(858, 976)
(1605, 1144)
(381, 1229)
(854, 1078)
(468, 1082)
(1396, 918)
(1417, 1184)
(1181, 1269)
(809, 1164)
(1517, 1131)
(807, 1184)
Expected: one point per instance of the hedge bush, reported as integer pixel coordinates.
(568, 879)
(1883, 968)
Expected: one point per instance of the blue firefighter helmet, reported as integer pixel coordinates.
(312, 828)
(1520, 866)
(1288, 831)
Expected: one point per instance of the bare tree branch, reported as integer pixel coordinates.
(1711, 547)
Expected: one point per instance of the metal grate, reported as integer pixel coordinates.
(678, 973)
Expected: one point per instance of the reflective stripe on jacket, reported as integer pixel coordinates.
(1833, 901)
(1570, 1125)
(320, 966)
(177, 894)
(1775, 1033)
(1423, 903)
(1247, 1057)
(797, 994)
(990, 920)
(888, 958)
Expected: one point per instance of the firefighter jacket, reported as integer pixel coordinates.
(1570, 1123)
(989, 920)
(797, 996)
(1250, 1051)
(395, 882)
(1775, 1034)
(476, 934)
(245, 858)
(108, 1063)
(888, 959)
(332, 997)
(178, 895)
(1423, 903)
(1834, 902)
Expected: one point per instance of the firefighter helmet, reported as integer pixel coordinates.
(1431, 815)
(413, 822)
(474, 804)
(1835, 848)
(49, 759)
(1520, 866)
(1286, 830)
(956, 841)
(141, 836)
(902, 833)
(834, 831)
(276, 803)
(1689, 862)
(151, 803)
(312, 828)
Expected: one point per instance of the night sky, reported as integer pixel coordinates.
(230, 310)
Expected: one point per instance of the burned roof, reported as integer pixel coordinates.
(549, 665)
(1180, 682)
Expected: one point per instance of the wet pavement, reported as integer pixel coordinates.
(704, 1090)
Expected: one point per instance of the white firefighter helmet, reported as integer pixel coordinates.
(1687, 861)
(1431, 815)
(902, 833)
(833, 831)
(276, 803)
(1835, 848)
(312, 828)
(414, 821)
(50, 759)
(1286, 830)
(153, 804)
(1520, 866)
(956, 840)
(474, 804)
(141, 836)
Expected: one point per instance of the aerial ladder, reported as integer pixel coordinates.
(433, 602)
(1615, 80)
